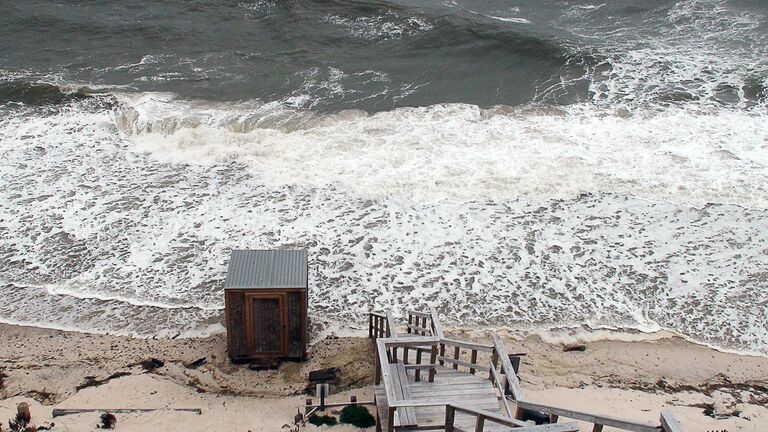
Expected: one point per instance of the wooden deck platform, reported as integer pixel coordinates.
(450, 386)
(425, 381)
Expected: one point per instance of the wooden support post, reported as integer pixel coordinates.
(307, 404)
(450, 416)
(353, 399)
(391, 420)
(410, 321)
(553, 418)
(474, 361)
(597, 428)
(370, 325)
(417, 375)
(442, 353)
(518, 413)
(432, 360)
(480, 423)
(456, 352)
(495, 362)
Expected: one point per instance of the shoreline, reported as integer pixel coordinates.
(553, 335)
(636, 379)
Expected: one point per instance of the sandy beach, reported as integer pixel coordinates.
(706, 389)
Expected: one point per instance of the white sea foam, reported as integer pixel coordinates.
(461, 152)
(132, 213)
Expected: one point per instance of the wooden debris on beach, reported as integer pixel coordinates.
(574, 347)
(322, 376)
(196, 364)
(152, 364)
(58, 412)
(92, 381)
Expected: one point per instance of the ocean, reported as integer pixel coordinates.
(522, 164)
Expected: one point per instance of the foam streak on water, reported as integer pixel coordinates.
(121, 220)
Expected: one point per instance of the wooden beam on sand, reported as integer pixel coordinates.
(57, 412)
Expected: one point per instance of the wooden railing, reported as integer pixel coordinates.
(451, 352)
(381, 325)
(484, 416)
(442, 351)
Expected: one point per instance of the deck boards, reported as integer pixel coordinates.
(450, 386)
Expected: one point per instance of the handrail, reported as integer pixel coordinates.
(437, 328)
(500, 388)
(506, 367)
(669, 422)
(598, 419)
(518, 426)
(467, 345)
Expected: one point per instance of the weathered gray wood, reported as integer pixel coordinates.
(418, 328)
(615, 422)
(407, 415)
(411, 342)
(457, 363)
(497, 381)
(385, 374)
(669, 422)
(467, 345)
(437, 328)
(420, 366)
(391, 325)
(418, 314)
(506, 367)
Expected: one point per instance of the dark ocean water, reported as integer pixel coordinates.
(530, 164)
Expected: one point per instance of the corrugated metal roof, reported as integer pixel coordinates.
(267, 269)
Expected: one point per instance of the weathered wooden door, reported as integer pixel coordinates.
(267, 324)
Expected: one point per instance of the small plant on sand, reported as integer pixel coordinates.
(357, 415)
(108, 421)
(322, 420)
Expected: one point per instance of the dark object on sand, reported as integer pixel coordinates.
(265, 297)
(322, 420)
(2, 380)
(20, 423)
(152, 364)
(515, 360)
(574, 347)
(92, 381)
(357, 415)
(197, 363)
(538, 417)
(108, 421)
(322, 376)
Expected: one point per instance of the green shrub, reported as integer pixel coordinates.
(322, 420)
(357, 415)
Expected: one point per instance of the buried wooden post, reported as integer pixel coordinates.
(353, 399)
(597, 428)
(307, 404)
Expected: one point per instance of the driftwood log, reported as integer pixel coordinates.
(58, 412)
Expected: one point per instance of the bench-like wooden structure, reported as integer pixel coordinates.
(423, 381)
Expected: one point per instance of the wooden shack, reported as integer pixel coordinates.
(265, 296)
